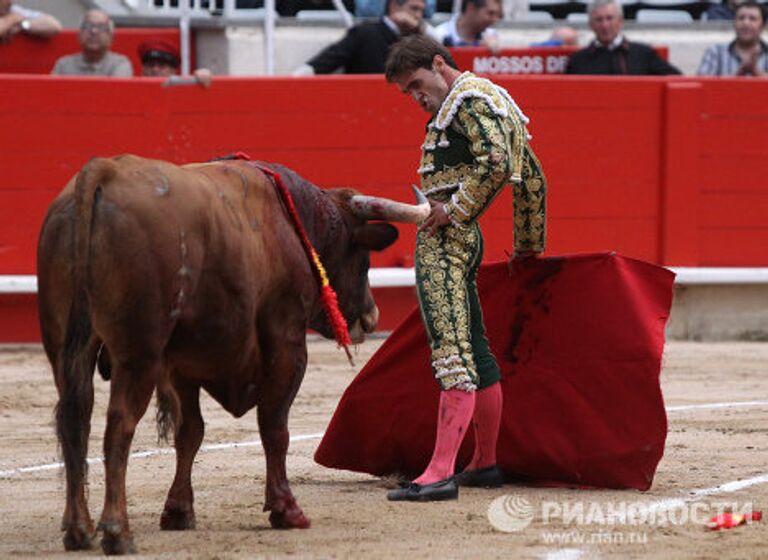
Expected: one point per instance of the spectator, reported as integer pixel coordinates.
(747, 54)
(375, 8)
(95, 59)
(472, 28)
(363, 50)
(724, 10)
(161, 59)
(562, 36)
(610, 52)
(15, 19)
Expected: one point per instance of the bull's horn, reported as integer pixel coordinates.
(376, 208)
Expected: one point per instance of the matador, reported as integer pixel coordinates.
(476, 143)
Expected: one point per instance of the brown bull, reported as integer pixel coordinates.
(187, 278)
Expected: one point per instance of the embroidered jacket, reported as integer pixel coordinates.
(477, 143)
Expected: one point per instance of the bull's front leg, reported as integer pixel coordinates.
(179, 513)
(289, 366)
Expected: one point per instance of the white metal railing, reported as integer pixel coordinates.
(185, 10)
(196, 8)
(406, 277)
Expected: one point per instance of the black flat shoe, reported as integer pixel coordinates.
(437, 491)
(487, 477)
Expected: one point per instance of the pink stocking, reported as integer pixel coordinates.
(486, 422)
(454, 415)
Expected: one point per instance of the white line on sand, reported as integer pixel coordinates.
(737, 404)
(693, 495)
(232, 445)
(563, 554)
(152, 453)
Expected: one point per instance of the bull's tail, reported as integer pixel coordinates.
(78, 354)
(168, 413)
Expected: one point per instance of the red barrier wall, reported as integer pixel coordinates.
(670, 170)
(30, 55)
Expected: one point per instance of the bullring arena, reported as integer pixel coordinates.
(715, 455)
(666, 170)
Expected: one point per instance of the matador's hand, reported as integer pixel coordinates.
(437, 218)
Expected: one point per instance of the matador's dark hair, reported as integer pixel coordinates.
(413, 52)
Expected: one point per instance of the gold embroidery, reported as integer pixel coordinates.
(530, 206)
(442, 262)
(445, 176)
(470, 86)
(482, 144)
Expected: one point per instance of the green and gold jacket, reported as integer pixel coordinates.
(477, 143)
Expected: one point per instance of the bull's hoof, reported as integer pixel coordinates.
(290, 519)
(77, 538)
(177, 519)
(114, 541)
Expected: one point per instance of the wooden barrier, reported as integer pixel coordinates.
(669, 170)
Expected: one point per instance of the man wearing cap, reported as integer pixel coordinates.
(161, 59)
(95, 58)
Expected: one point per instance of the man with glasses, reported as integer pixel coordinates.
(95, 58)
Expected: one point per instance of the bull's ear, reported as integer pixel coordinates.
(375, 237)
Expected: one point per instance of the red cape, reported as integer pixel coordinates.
(579, 340)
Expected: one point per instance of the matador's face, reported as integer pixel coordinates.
(427, 87)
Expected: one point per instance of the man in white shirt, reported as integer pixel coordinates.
(15, 19)
(472, 28)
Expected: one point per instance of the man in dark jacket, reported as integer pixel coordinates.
(363, 50)
(610, 52)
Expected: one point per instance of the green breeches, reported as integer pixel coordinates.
(446, 284)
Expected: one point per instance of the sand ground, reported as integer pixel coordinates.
(706, 447)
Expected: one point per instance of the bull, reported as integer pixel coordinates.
(177, 279)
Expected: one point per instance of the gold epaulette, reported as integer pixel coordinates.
(468, 85)
(500, 103)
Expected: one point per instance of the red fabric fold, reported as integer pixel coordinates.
(579, 340)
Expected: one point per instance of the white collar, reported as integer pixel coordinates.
(391, 24)
(615, 44)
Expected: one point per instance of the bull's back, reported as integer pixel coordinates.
(176, 254)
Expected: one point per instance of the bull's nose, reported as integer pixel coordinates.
(369, 320)
(356, 334)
